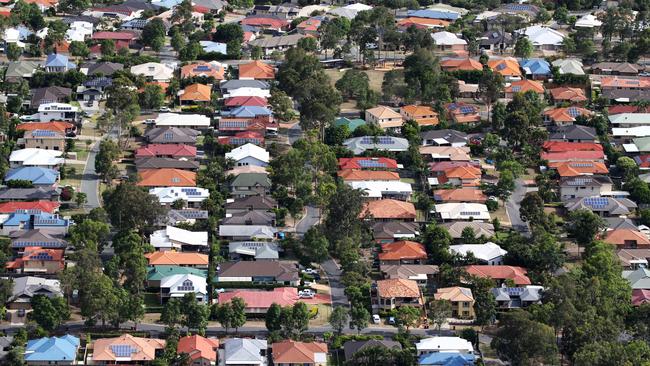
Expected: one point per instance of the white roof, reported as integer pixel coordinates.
(540, 35)
(569, 66)
(247, 150)
(588, 21)
(174, 282)
(379, 188)
(638, 131)
(167, 195)
(486, 15)
(36, 157)
(155, 70)
(631, 148)
(448, 8)
(182, 120)
(248, 231)
(173, 237)
(442, 344)
(630, 118)
(484, 252)
(350, 11)
(248, 92)
(307, 11)
(447, 39)
(56, 107)
(462, 211)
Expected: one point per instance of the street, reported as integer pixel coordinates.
(90, 181)
(333, 273)
(311, 218)
(512, 208)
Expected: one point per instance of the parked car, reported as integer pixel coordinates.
(310, 271)
(376, 319)
(308, 283)
(220, 290)
(391, 320)
(306, 294)
(164, 109)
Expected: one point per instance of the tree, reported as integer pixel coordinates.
(195, 315)
(339, 319)
(604, 353)
(238, 312)
(13, 52)
(523, 341)
(506, 184)
(342, 214)
(107, 154)
(273, 319)
(107, 47)
(583, 225)
(484, 302)
(360, 317)
(153, 34)
(308, 44)
(152, 97)
(437, 240)
(89, 234)
(80, 199)
(228, 32)
(315, 246)
(49, 313)
(281, 105)
(130, 207)
(561, 14)
(79, 49)
(439, 311)
(408, 316)
(468, 236)
(532, 209)
(300, 317)
(224, 314)
(627, 166)
(380, 355)
(523, 47)
(490, 87)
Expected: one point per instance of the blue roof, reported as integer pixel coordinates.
(351, 123)
(209, 46)
(37, 218)
(536, 66)
(248, 112)
(447, 359)
(434, 14)
(52, 349)
(36, 175)
(167, 3)
(59, 60)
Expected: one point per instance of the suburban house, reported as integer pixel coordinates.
(244, 351)
(378, 189)
(212, 69)
(444, 345)
(155, 274)
(166, 178)
(602, 206)
(394, 293)
(171, 135)
(469, 195)
(289, 352)
(358, 145)
(253, 250)
(523, 86)
(446, 41)
(506, 67)
(500, 273)
(424, 274)
(44, 139)
(488, 253)
(445, 153)
(40, 205)
(166, 163)
(625, 89)
(170, 258)
(34, 219)
(573, 133)
(243, 138)
(627, 239)
(247, 184)
(50, 94)
(350, 123)
(250, 203)
(195, 94)
(36, 157)
(259, 301)
(367, 163)
(579, 168)
(201, 351)
(390, 231)
(57, 112)
(249, 154)
(257, 70)
(543, 38)
(569, 66)
(52, 350)
(256, 217)
(568, 95)
(57, 62)
(639, 278)
(384, 117)
(615, 68)
(459, 176)
(402, 252)
(29, 194)
(24, 289)
(194, 121)
(536, 68)
(38, 260)
(192, 196)
(564, 116)
(423, 115)
(444, 137)
(126, 348)
(462, 211)
(245, 101)
(260, 272)
(388, 209)
(496, 41)
(461, 299)
(517, 297)
(177, 239)
(175, 151)
(584, 186)
(154, 71)
(177, 285)
(60, 127)
(460, 64)
(460, 112)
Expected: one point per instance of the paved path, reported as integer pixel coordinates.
(512, 207)
(311, 218)
(90, 179)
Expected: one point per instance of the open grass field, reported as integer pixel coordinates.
(375, 76)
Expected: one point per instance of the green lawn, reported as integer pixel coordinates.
(73, 179)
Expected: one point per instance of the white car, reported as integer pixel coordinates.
(306, 294)
(220, 290)
(308, 283)
(376, 319)
(309, 271)
(164, 109)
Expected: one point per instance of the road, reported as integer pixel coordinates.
(311, 218)
(512, 207)
(90, 180)
(333, 273)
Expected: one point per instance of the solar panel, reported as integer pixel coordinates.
(466, 109)
(580, 181)
(367, 140)
(516, 88)
(168, 136)
(371, 164)
(470, 213)
(43, 257)
(385, 140)
(123, 350)
(191, 191)
(582, 165)
(501, 67)
(596, 202)
(43, 133)
(573, 112)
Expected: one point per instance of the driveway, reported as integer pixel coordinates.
(512, 207)
(311, 218)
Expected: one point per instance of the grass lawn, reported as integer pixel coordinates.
(408, 180)
(376, 77)
(74, 180)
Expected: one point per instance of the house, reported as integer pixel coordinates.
(94, 88)
(350, 11)
(573, 133)
(156, 273)
(192, 196)
(310, 25)
(185, 216)
(461, 113)
(462, 211)
(168, 163)
(44, 139)
(352, 347)
(265, 22)
(558, 146)
(640, 297)
(171, 135)
(25, 288)
(568, 95)
(422, 115)
(633, 258)
(101, 68)
(479, 228)
(507, 67)
(569, 66)
(639, 278)
(627, 239)
(444, 137)
(565, 116)
(244, 351)
(62, 128)
(402, 252)
(445, 153)
(543, 38)
(195, 94)
(488, 253)
(50, 94)
(33, 219)
(250, 203)
(576, 168)
(422, 23)
(289, 352)
(166, 178)
(195, 260)
(5, 346)
(461, 64)
(523, 86)
(174, 151)
(588, 21)
(461, 299)
(29, 194)
(256, 70)
(154, 71)
(350, 175)
(444, 345)
(536, 68)
(584, 186)
(395, 293)
(52, 350)
(446, 41)
(274, 272)
(243, 138)
(625, 89)
(246, 101)
(259, 301)
(126, 348)
(602, 206)
(378, 189)
(38, 260)
(176, 286)
(517, 297)
(496, 41)
(469, 195)
(358, 145)
(442, 11)
(173, 238)
(247, 184)
(278, 43)
(446, 358)
(57, 112)
(500, 273)
(79, 31)
(125, 38)
(194, 121)
(212, 69)
(250, 218)
(424, 274)
(461, 176)
(201, 351)
(253, 250)
(390, 231)
(367, 163)
(385, 118)
(615, 68)
(228, 86)
(57, 62)
(40, 158)
(249, 154)
(388, 209)
(19, 70)
(36, 175)
(42, 205)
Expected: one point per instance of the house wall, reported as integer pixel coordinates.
(249, 160)
(47, 144)
(463, 309)
(42, 267)
(569, 192)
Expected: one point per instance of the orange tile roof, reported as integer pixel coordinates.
(388, 209)
(402, 250)
(560, 146)
(196, 93)
(517, 274)
(357, 174)
(620, 236)
(256, 70)
(454, 294)
(295, 353)
(562, 114)
(460, 195)
(568, 94)
(176, 258)
(422, 114)
(167, 178)
(576, 168)
(425, 22)
(255, 299)
(198, 347)
(616, 82)
(463, 172)
(505, 67)
(144, 348)
(44, 3)
(525, 85)
(203, 69)
(38, 254)
(464, 64)
(397, 287)
(45, 206)
(381, 112)
(57, 126)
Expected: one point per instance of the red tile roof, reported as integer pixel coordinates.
(116, 36)
(255, 299)
(57, 126)
(460, 195)
(38, 254)
(622, 108)
(175, 150)
(298, 353)
(256, 70)
(621, 237)
(246, 101)
(176, 258)
(568, 94)
(465, 64)
(167, 177)
(367, 163)
(576, 168)
(575, 156)
(388, 209)
(45, 206)
(561, 146)
(267, 22)
(640, 297)
(198, 347)
(517, 274)
(363, 175)
(525, 85)
(398, 288)
(402, 250)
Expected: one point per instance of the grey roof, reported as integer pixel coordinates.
(352, 347)
(585, 181)
(35, 237)
(98, 82)
(572, 132)
(639, 278)
(28, 194)
(480, 228)
(280, 270)
(104, 68)
(16, 69)
(452, 136)
(620, 223)
(279, 41)
(389, 143)
(516, 295)
(236, 84)
(261, 249)
(50, 94)
(257, 217)
(612, 206)
(158, 162)
(210, 4)
(244, 350)
(252, 203)
(251, 180)
(628, 256)
(620, 67)
(405, 271)
(248, 231)
(81, 18)
(31, 286)
(494, 37)
(392, 229)
(5, 345)
(176, 216)
(172, 135)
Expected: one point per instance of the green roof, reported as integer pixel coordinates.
(642, 143)
(351, 123)
(157, 273)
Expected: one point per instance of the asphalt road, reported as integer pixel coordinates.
(90, 180)
(512, 207)
(311, 218)
(333, 273)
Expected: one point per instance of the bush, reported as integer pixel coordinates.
(492, 205)
(67, 193)
(340, 340)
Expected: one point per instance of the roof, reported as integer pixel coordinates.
(460, 153)
(435, 14)
(388, 209)
(246, 101)
(368, 175)
(157, 273)
(612, 206)
(159, 162)
(41, 205)
(360, 144)
(572, 132)
(35, 237)
(574, 168)
(38, 254)
(446, 359)
(177, 258)
(57, 126)
(292, 352)
(252, 203)
(569, 66)
(409, 271)
(484, 252)
(402, 250)
(350, 11)
(175, 150)
(525, 85)
(536, 66)
(639, 278)
(351, 124)
(248, 150)
(278, 41)
(196, 93)
(620, 67)
(36, 175)
(251, 180)
(505, 66)
(447, 39)
(465, 64)
(255, 217)
(367, 163)
(31, 156)
(585, 181)
(167, 178)
(454, 294)
(398, 287)
(126, 347)
(54, 349)
(49, 94)
(184, 283)
(170, 235)
(456, 228)
(198, 347)
(30, 286)
(280, 270)
(352, 347)
(541, 36)
(517, 274)
(256, 70)
(460, 195)
(560, 146)
(244, 350)
(209, 69)
(58, 60)
(640, 296)
(257, 249)
(568, 94)
(422, 22)
(621, 236)
(383, 112)
(115, 36)
(39, 193)
(171, 135)
(258, 299)
(566, 114)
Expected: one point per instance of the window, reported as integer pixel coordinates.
(465, 304)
